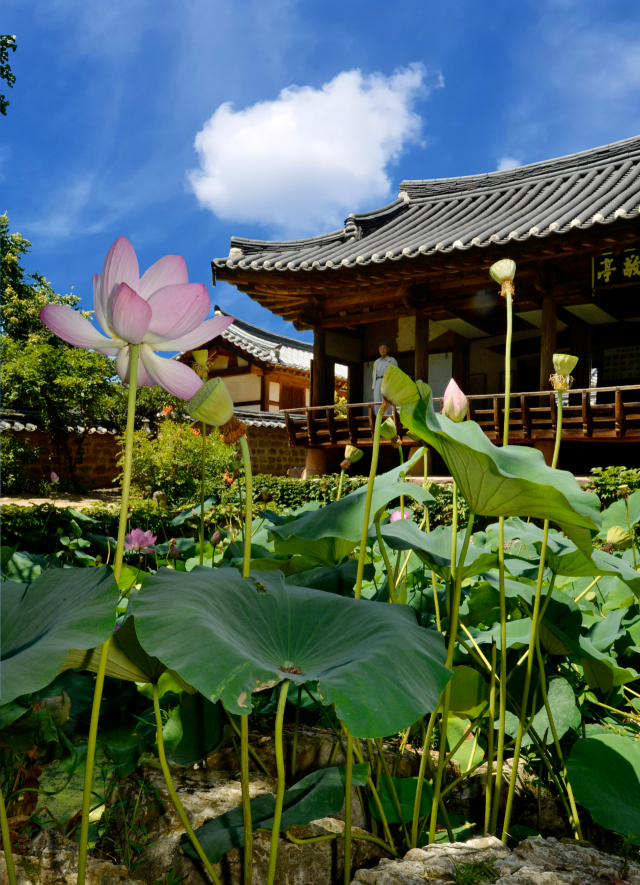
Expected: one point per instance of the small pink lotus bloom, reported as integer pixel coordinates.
(455, 405)
(54, 477)
(139, 541)
(215, 538)
(161, 310)
(396, 515)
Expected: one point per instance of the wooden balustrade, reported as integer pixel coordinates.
(593, 413)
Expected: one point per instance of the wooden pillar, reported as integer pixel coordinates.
(264, 393)
(547, 339)
(319, 367)
(461, 360)
(580, 343)
(421, 363)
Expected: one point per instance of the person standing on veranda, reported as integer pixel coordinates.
(379, 368)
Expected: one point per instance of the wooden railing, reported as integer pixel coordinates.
(611, 413)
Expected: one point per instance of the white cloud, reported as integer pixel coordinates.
(507, 163)
(302, 162)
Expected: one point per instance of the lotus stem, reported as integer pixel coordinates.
(374, 793)
(252, 752)
(347, 808)
(248, 516)
(401, 456)
(277, 814)
(503, 680)
(586, 590)
(294, 748)
(453, 634)
(365, 837)
(172, 790)
(556, 448)
(246, 801)
(527, 682)
(367, 505)
(507, 367)
(631, 533)
(490, 731)
(339, 495)
(454, 548)
(6, 842)
(426, 749)
(387, 561)
(104, 651)
(202, 479)
(392, 789)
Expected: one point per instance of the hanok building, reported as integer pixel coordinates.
(416, 273)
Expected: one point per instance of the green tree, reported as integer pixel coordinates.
(7, 42)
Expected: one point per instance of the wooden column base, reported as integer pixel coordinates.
(316, 464)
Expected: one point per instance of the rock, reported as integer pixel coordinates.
(207, 794)
(53, 860)
(161, 499)
(535, 861)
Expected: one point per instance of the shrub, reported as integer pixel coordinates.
(605, 482)
(16, 454)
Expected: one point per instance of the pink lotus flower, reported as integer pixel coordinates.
(215, 538)
(139, 541)
(161, 310)
(455, 405)
(54, 477)
(396, 515)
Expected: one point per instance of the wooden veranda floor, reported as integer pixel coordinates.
(605, 413)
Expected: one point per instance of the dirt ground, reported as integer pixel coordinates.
(96, 496)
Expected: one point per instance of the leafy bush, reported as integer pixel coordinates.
(606, 480)
(16, 453)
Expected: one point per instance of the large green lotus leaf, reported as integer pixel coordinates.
(482, 606)
(600, 670)
(605, 776)
(434, 548)
(469, 693)
(316, 796)
(343, 518)
(506, 481)
(230, 636)
(565, 713)
(456, 728)
(193, 730)
(405, 788)
(616, 514)
(333, 579)
(321, 552)
(518, 634)
(62, 609)
(605, 631)
(25, 567)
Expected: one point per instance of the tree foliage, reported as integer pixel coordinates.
(7, 42)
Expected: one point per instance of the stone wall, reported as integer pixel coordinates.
(97, 468)
(271, 452)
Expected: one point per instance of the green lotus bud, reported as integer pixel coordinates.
(388, 429)
(564, 364)
(213, 405)
(619, 538)
(503, 272)
(352, 454)
(397, 388)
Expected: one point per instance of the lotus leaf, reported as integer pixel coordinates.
(231, 636)
(405, 788)
(469, 693)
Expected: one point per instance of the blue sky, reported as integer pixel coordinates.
(301, 110)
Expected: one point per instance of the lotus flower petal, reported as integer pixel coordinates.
(177, 310)
(123, 362)
(208, 330)
(173, 376)
(120, 266)
(130, 314)
(98, 306)
(168, 271)
(69, 325)
(455, 405)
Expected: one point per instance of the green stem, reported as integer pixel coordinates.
(556, 448)
(454, 547)
(365, 837)
(392, 789)
(367, 505)
(347, 808)
(104, 651)
(246, 800)
(387, 561)
(490, 733)
(455, 607)
(202, 478)
(339, 495)
(507, 370)
(374, 794)
(277, 814)
(497, 792)
(172, 790)
(632, 533)
(426, 752)
(527, 682)
(248, 519)
(252, 752)
(294, 749)
(401, 456)
(6, 842)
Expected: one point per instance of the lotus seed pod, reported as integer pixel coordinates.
(455, 405)
(561, 382)
(213, 405)
(388, 429)
(624, 491)
(619, 538)
(352, 454)
(564, 364)
(503, 272)
(397, 388)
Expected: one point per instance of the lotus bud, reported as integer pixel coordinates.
(201, 363)
(455, 405)
(215, 538)
(398, 389)
(503, 272)
(619, 538)
(388, 431)
(173, 553)
(396, 515)
(213, 405)
(54, 477)
(351, 455)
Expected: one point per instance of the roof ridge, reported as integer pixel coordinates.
(267, 336)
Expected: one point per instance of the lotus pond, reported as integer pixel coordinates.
(511, 641)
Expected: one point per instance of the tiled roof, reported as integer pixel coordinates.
(277, 350)
(261, 419)
(19, 421)
(594, 187)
